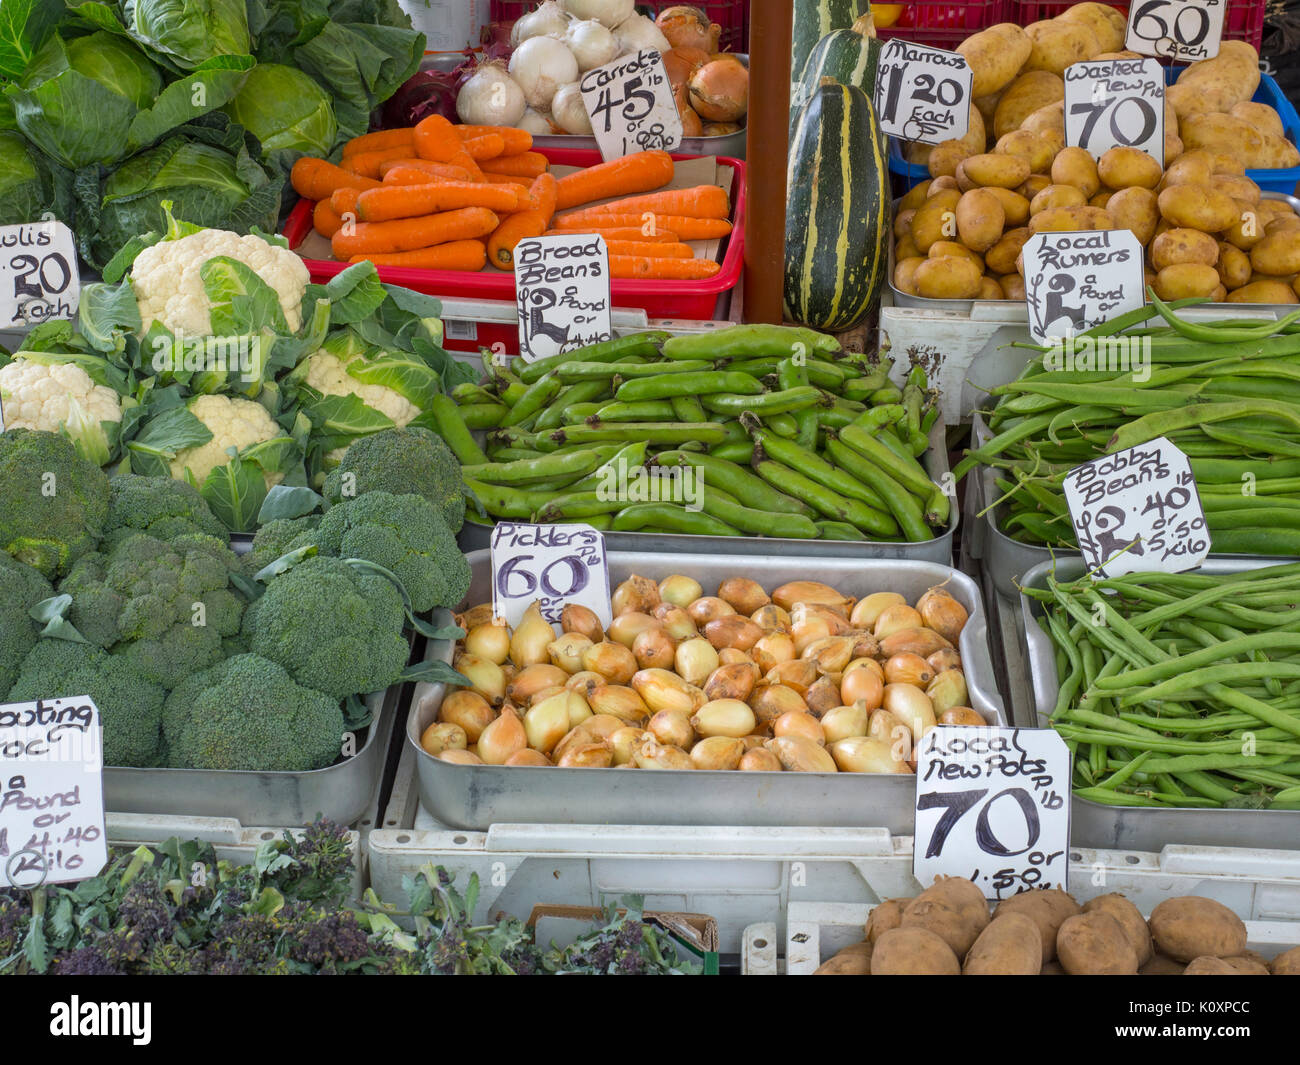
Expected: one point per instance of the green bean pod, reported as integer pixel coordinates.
(582, 392)
(809, 463)
(503, 501)
(688, 409)
(756, 522)
(750, 341)
(468, 392)
(511, 454)
(905, 470)
(646, 410)
(513, 393)
(483, 415)
(669, 517)
(736, 451)
(737, 481)
(665, 434)
(578, 413)
(578, 506)
(784, 402)
(827, 503)
(838, 530)
(905, 507)
(453, 430)
(538, 394)
(572, 464)
(643, 345)
(616, 467)
(784, 425)
(701, 383)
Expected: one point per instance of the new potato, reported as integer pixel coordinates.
(1130, 919)
(995, 56)
(1036, 150)
(1135, 209)
(1186, 280)
(1074, 166)
(1056, 43)
(980, 219)
(1183, 246)
(1278, 252)
(949, 278)
(1233, 266)
(1095, 944)
(1217, 84)
(1123, 167)
(1015, 207)
(1064, 219)
(1046, 907)
(940, 248)
(1011, 945)
(936, 219)
(1001, 258)
(1197, 207)
(1024, 96)
(1057, 196)
(1263, 292)
(913, 952)
(1106, 23)
(989, 168)
(1191, 927)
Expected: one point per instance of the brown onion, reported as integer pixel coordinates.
(895, 618)
(469, 710)
(459, 757)
(485, 677)
(491, 640)
(870, 608)
(691, 124)
(672, 727)
(831, 654)
(502, 738)
(732, 682)
(676, 622)
(584, 681)
(587, 756)
(708, 608)
(759, 760)
(724, 717)
(734, 630)
(580, 619)
(717, 752)
(627, 627)
(944, 658)
(861, 754)
(618, 701)
(772, 650)
(733, 656)
(799, 723)
(907, 668)
(948, 689)
(695, 659)
(479, 614)
(443, 736)
(528, 682)
(652, 755)
(613, 661)
(923, 642)
(772, 700)
(845, 721)
(799, 674)
(862, 686)
(961, 715)
(566, 652)
(679, 591)
(771, 618)
(635, 595)
(623, 742)
(800, 755)
(663, 690)
(823, 694)
(688, 27)
(911, 706)
(528, 757)
(812, 592)
(941, 612)
(744, 595)
(654, 648)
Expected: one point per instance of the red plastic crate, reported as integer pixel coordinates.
(731, 15)
(692, 300)
(943, 24)
(1242, 21)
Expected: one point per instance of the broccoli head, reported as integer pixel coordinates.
(277, 538)
(166, 607)
(405, 534)
(55, 503)
(160, 506)
(402, 461)
(130, 707)
(334, 627)
(249, 713)
(21, 588)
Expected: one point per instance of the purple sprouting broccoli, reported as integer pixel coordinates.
(86, 961)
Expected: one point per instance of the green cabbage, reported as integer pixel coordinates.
(24, 188)
(287, 111)
(185, 33)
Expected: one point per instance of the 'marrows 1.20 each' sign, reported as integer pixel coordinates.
(922, 94)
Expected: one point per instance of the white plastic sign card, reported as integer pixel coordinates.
(562, 290)
(556, 564)
(1182, 30)
(39, 281)
(630, 102)
(922, 93)
(1116, 103)
(993, 805)
(1077, 280)
(1138, 511)
(51, 792)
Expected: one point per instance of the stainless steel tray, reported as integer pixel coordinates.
(475, 537)
(1094, 824)
(476, 797)
(921, 303)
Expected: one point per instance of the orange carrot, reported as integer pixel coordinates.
(702, 201)
(650, 250)
(659, 236)
(489, 146)
(455, 255)
(325, 220)
(412, 201)
(525, 164)
(685, 228)
(367, 163)
(427, 171)
(636, 266)
(315, 179)
(523, 224)
(344, 202)
(411, 234)
(436, 140)
(384, 138)
(517, 140)
(639, 172)
(505, 179)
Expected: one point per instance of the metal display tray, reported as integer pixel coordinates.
(475, 537)
(477, 797)
(1094, 824)
(922, 303)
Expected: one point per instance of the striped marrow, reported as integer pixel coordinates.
(848, 56)
(813, 20)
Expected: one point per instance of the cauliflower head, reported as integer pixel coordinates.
(60, 397)
(169, 288)
(234, 422)
(328, 374)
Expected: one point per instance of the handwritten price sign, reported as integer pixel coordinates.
(562, 294)
(52, 794)
(39, 281)
(1182, 30)
(993, 805)
(1074, 281)
(557, 564)
(631, 105)
(1138, 511)
(1117, 103)
(922, 93)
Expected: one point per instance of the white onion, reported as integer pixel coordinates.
(547, 19)
(541, 65)
(609, 13)
(490, 98)
(591, 43)
(638, 33)
(570, 112)
(538, 124)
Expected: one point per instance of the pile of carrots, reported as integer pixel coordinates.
(447, 197)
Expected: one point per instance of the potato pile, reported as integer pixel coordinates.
(804, 680)
(947, 930)
(1202, 221)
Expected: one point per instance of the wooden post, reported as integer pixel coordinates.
(766, 148)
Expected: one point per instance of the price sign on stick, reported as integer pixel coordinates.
(1117, 103)
(1182, 30)
(1138, 511)
(51, 792)
(1074, 281)
(558, 564)
(993, 805)
(922, 93)
(562, 290)
(630, 102)
(38, 273)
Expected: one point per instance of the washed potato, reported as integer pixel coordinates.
(1190, 927)
(995, 56)
(1233, 266)
(1074, 166)
(913, 952)
(915, 196)
(1278, 252)
(1190, 168)
(1005, 171)
(1101, 198)
(940, 248)
(1106, 23)
(1094, 944)
(1013, 286)
(943, 157)
(1263, 292)
(1238, 186)
(1015, 208)
(1261, 116)
(1057, 196)
(1062, 219)
(1130, 919)
(1049, 117)
(980, 218)
(1024, 96)
(1033, 185)
(907, 249)
(1217, 84)
(989, 289)
(988, 106)
(937, 185)
(1197, 207)
(1046, 907)
(1242, 144)
(1056, 43)
(1250, 226)
(903, 223)
(1184, 246)
(949, 278)
(1123, 167)
(1001, 258)
(1135, 209)
(1035, 150)
(1011, 945)
(1186, 280)
(936, 219)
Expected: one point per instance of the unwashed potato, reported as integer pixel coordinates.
(1286, 964)
(1210, 966)
(1130, 919)
(1261, 116)
(1011, 945)
(1122, 167)
(889, 914)
(853, 960)
(1024, 96)
(905, 274)
(951, 278)
(1052, 968)
(1159, 965)
(1037, 151)
(988, 168)
(1183, 246)
(1278, 252)
(995, 56)
(913, 952)
(953, 908)
(1239, 140)
(1074, 166)
(1058, 42)
(1245, 965)
(1057, 196)
(1107, 24)
(1001, 258)
(1197, 207)
(1094, 944)
(1233, 266)
(1217, 84)
(1189, 927)
(1063, 219)
(980, 218)
(1046, 907)
(1263, 292)
(1135, 209)
(1186, 280)
(1015, 207)
(936, 219)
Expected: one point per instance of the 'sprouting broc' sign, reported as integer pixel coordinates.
(1077, 280)
(1116, 103)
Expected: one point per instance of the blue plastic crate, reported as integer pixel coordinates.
(1269, 180)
